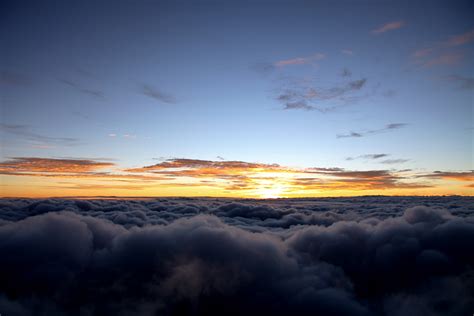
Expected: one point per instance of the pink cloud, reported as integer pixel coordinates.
(389, 27)
(461, 39)
(445, 59)
(300, 60)
(422, 52)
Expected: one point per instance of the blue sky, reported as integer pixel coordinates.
(263, 81)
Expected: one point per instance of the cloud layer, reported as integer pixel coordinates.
(344, 256)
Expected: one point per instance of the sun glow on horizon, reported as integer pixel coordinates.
(271, 190)
(192, 177)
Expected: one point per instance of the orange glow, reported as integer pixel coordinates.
(42, 177)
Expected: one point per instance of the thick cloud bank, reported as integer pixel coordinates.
(344, 256)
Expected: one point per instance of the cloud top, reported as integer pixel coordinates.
(346, 256)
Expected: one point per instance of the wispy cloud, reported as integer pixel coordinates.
(308, 93)
(157, 94)
(444, 52)
(51, 165)
(394, 161)
(358, 180)
(389, 27)
(377, 158)
(176, 163)
(263, 68)
(106, 159)
(91, 92)
(465, 83)
(306, 96)
(389, 93)
(299, 105)
(24, 131)
(450, 175)
(347, 52)
(84, 169)
(126, 136)
(346, 72)
(104, 186)
(448, 58)
(300, 60)
(461, 39)
(387, 128)
(368, 156)
(423, 52)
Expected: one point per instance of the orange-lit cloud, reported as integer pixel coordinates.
(183, 176)
(68, 168)
(241, 176)
(357, 180)
(212, 166)
(33, 164)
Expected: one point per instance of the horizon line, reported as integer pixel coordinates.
(228, 197)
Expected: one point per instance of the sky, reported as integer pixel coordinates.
(256, 99)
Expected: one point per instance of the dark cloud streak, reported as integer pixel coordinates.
(368, 156)
(157, 95)
(87, 91)
(306, 96)
(387, 128)
(464, 83)
(24, 131)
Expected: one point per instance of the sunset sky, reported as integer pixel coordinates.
(258, 99)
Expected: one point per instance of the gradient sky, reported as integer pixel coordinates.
(236, 98)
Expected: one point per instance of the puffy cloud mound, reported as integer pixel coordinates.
(345, 256)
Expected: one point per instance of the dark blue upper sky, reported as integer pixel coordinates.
(300, 83)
